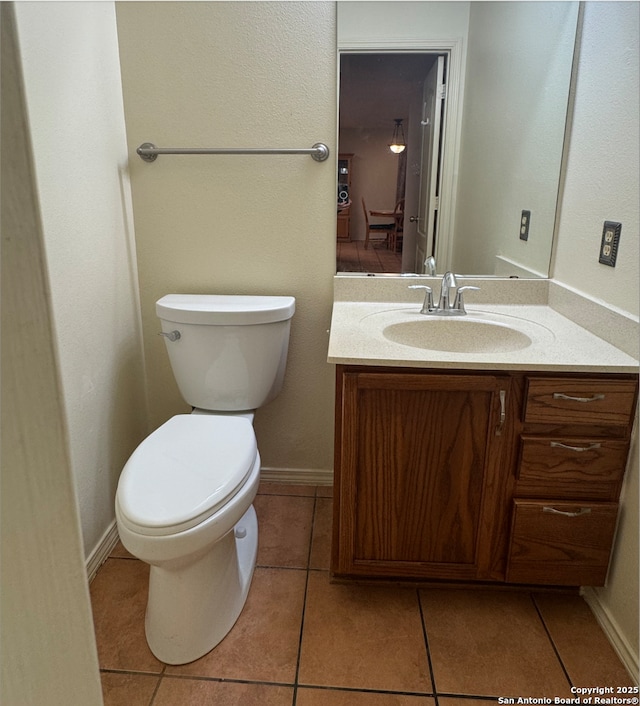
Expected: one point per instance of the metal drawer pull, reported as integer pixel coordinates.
(562, 396)
(503, 412)
(559, 445)
(581, 511)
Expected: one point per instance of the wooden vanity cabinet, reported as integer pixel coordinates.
(419, 488)
(478, 476)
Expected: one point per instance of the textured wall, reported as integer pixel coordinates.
(515, 106)
(602, 171)
(601, 183)
(238, 75)
(74, 99)
(47, 643)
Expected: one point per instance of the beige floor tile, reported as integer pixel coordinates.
(284, 530)
(320, 557)
(364, 637)
(490, 643)
(587, 655)
(128, 689)
(274, 488)
(119, 601)
(337, 697)
(263, 644)
(119, 552)
(196, 692)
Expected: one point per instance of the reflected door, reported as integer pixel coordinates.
(432, 110)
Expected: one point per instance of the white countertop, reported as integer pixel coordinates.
(558, 344)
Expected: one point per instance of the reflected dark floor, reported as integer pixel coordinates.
(352, 257)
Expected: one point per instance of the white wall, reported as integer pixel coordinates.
(387, 22)
(238, 74)
(73, 93)
(46, 642)
(602, 171)
(601, 183)
(515, 105)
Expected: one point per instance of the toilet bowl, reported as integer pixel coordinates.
(184, 506)
(184, 498)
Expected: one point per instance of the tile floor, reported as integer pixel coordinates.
(303, 641)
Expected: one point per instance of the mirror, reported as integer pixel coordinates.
(483, 117)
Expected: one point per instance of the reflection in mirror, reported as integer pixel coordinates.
(511, 96)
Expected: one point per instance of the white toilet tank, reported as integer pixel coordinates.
(228, 352)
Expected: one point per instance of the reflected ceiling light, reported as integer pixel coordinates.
(397, 141)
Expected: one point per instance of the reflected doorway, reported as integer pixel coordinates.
(376, 90)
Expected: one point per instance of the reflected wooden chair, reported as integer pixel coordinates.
(398, 218)
(386, 229)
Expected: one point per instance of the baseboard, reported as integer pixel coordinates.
(617, 639)
(105, 546)
(299, 476)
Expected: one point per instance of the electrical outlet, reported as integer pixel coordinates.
(525, 219)
(609, 243)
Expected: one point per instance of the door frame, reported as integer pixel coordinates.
(452, 123)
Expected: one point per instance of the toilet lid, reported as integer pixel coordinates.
(185, 471)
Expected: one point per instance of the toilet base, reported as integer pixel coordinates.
(192, 608)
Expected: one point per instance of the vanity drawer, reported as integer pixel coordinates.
(561, 543)
(579, 401)
(571, 467)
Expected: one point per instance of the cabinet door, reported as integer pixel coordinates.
(421, 467)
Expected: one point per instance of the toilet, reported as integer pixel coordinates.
(184, 499)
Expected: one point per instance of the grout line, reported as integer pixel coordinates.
(553, 644)
(469, 697)
(426, 644)
(226, 680)
(365, 690)
(304, 603)
(135, 672)
(155, 691)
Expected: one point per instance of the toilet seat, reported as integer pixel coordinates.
(184, 472)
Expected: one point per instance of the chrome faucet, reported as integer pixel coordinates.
(449, 282)
(445, 307)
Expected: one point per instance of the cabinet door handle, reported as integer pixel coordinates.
(581, 511)
(562, 396)
(560, 445)
(503, 412)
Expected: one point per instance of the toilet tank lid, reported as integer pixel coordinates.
(225, 309)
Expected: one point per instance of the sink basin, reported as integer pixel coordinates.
(458, 335)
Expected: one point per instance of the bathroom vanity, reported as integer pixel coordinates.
(500, 466)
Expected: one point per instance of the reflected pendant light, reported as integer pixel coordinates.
(397, 141)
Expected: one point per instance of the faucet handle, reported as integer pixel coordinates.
(427, 306)
(458, 303)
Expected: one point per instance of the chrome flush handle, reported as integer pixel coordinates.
(172, 336)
